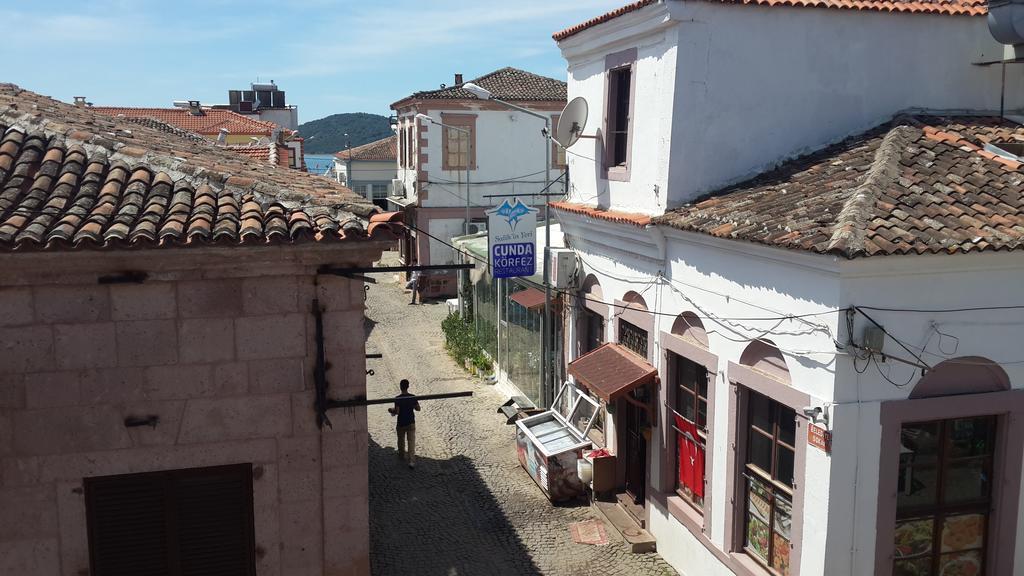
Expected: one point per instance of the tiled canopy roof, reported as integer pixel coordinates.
(383, 149)
(72, 178)
(916, 185)
(948, 7)
(506, 84)
(208, 123)
(612, 370)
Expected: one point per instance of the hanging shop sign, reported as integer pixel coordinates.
(819, 437)
(512, 240)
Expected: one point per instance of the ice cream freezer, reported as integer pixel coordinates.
(550, 443)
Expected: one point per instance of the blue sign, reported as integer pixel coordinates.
(512, 240)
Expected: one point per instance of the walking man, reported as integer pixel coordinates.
(405, 405)
(415, 285)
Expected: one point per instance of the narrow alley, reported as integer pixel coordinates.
(468, 508)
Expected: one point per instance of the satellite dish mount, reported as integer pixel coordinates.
(571, 123)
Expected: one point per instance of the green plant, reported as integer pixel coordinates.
(482, 362)
(461, 343)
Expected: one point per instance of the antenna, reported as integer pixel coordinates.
(571, 122)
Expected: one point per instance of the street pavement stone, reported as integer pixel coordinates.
(468, 508)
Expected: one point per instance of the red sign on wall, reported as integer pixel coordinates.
(819, 437)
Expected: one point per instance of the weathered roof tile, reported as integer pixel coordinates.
(66, 182)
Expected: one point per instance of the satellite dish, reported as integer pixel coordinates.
(571, 122)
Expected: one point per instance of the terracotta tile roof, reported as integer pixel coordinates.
(169, 128)
(531, 298)
(916, 185)
(601, 214)
(947, 7)
(506, 84)
(383, 149)
(573, 30)
(208, 123)
(73, 178)
(611, 370)
(259, 152)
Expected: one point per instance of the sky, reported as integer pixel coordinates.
(328, 56)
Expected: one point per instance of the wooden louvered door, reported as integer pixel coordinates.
(194, 522)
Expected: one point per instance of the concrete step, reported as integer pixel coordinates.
(640, 540)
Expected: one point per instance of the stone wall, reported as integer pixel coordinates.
(225, 359)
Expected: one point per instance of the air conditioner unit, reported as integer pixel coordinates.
(398, 187)
(563, 268)
(475, 228)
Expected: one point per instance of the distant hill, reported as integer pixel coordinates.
(327, 135)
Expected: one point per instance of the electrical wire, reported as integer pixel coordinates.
(747, 338)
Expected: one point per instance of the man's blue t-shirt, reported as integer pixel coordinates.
(405, 403)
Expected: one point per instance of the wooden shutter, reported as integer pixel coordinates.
(127, 524)
(194, 522)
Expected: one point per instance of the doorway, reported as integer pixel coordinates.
(634, 452)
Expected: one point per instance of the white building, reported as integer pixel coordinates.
(758, 203)
(370, 169)
(497, 149)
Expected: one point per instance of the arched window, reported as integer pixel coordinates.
(769, 463)
(689, 327)
(634, 324)
(966, 375)
(946, 463)
(763, 356)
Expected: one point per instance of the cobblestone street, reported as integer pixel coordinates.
(468, 508)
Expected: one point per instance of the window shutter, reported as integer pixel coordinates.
(194, 522)
(127, 525)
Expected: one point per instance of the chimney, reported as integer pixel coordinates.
(80, 101)
(222, 137)
(194, 108)
(458, 79)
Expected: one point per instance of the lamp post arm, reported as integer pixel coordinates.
(521, 109)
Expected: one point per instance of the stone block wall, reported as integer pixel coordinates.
(226, 362)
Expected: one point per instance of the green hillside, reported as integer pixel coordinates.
(327, 135)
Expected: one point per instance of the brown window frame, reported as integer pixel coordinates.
(1008, 407)
(168, 482)
(410, 135)
(463, 121)
(775, 485)
(683, 397)
(402, 160)
(939, 510)
(617, 65)
(590, 317)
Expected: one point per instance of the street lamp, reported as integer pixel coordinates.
(545, 354)
(464, 132)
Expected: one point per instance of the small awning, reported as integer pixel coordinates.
(531, 298)
(611, 371)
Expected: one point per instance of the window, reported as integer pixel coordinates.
(691, 428)
(291, 158)
(944, 496)
(633, 337)
(594, 332)
(618, 118)
(557, 152)
(196, 522)
(771, 437)
(380, 191)
(459, 146)
(402, 160)
(409, 158)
